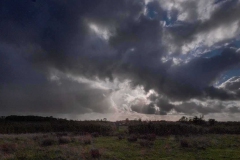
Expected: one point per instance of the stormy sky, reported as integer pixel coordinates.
(149, 59)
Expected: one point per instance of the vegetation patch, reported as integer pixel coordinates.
(48, 142)
(8, 148)
(132, 138)
(64, 140)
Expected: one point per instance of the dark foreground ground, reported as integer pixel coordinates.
(52, 146)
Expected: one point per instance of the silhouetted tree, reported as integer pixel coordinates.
(211, 122)
(183, 119)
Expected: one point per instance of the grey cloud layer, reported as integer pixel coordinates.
(50, 34)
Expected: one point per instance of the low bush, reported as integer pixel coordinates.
(165, 128)
(21, 155)
(132, 138)
(86, 140)
(8, 148)
(146, 143)
(35, 138)
(184, 143)
(151, 137)
(64, 140)
(197, 142)
(95, 134)
(120, 137)
(95, 153)
(61, 134)
(144, 136)
(45, 136)
(48, 142)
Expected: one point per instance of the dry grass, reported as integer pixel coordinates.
(24, 147)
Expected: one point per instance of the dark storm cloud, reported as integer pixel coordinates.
(25, 89)
(192, 107)
(234, 109)
(164, 105)
(61, 29)
(39, 36)
(64, 96)
(146, 109)
(196, 78)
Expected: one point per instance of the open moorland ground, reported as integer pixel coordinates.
(48, 138)
(68, 146)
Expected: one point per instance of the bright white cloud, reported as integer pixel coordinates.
(100, 31)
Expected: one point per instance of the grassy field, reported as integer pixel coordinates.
(75, 147)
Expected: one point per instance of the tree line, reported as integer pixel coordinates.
(185, 126)
(37, 124)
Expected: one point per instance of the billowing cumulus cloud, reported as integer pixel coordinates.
(151, 57)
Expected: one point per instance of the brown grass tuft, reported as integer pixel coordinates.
(146, 143)
(48, 142)
(8, 148)
(86, 139)
(95, 153)
(64, 140)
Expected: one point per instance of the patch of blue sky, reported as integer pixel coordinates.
(228, 2)
(219, 1)
(236, 43)
(227, 75)
(169, 17)
(152, 14)
(217, 49)
(213, 53)
(209, 52)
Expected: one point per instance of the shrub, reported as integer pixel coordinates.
(61, 134)
(21, 155)
(8, 147)
(45, 136)
(132, 138)
(73, 139)
(177, 138)
(86, 140)
(35, 138)
(64, 140)
(145, 143)
(151, 137)
(144, 136)
(120, 137)
(48, 142)
(95, 134)
(165, 128)
(184, 143)
(197, 142)
(95, 153)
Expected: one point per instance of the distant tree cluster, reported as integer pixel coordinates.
(37, 124)
(185, 126)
